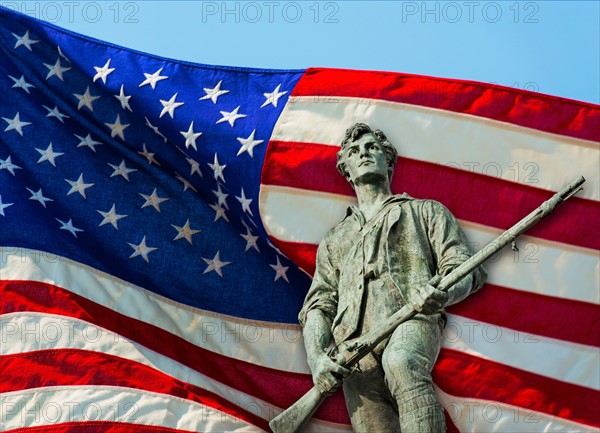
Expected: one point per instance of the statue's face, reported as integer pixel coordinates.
(366, 159)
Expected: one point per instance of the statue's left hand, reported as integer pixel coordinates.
(429, 300)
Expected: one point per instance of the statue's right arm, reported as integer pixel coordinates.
(317, 338)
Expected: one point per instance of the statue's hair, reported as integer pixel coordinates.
(354, 133)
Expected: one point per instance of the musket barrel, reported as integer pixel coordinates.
(511, 234)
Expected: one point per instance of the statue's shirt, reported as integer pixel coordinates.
(366, 270)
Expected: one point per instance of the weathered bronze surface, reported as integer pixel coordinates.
(376, 262)
(378, 259)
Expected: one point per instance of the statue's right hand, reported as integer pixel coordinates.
(327, 375)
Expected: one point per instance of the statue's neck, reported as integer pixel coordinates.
(370, 198)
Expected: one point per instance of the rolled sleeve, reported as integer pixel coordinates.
(449, 243)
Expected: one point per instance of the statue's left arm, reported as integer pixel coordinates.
(450, 248)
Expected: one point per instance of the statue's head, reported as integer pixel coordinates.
(355, 133)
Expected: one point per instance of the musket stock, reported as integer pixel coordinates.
(293, 419)
(296, 416)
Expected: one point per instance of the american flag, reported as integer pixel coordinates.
(159, 222)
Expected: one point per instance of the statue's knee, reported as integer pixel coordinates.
(404, 363)
(406, 374)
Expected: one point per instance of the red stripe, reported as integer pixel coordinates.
(302, 254)
(542, 315)
(520, 107)
(97, 427)
(62, 367)
(473, 197)
(272, 386)
(463, 375)
(531, 313)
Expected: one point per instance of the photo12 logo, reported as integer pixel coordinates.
(270, 12)
(74, 11)
(470, 12)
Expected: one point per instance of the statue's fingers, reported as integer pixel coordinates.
(341, 371)
(441, 296)
(431, 306)
(333, 382)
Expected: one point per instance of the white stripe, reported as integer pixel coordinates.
(479, 144)
(260, 343)
(557, 359)
(471, 415)
(54, 405)
(25, 332)
(542, 267)
(298, 215)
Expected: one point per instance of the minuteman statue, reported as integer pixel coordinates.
(377, 259)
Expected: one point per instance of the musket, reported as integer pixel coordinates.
(293, 419)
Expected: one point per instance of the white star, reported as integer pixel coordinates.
(215, 265)
(56, 69)
(214, 93)
(149, 156)
(170, 106)
(6, 164)
(79, 186)
(185, 232)
(231, 116)
(280, 271)
(217, 169)
(24, 40)
(121, 170)
(250, 240)
(123, 99)
(38, 196)
(86, 99)
(21, 83)
(195, 166)
(103, 72)
(190, 136)
(248, 144)
(111, 217)
(152, 79)
(55, 112)
(273, 97)
(3, 206)
(221, 197)
(15, 124)
(155, 129)
(153, 200)
(141, 250)
(88, 142)
(219, 212)
(117, 128)
(186, 184)
(68, 226)
(60, 53)
(245, 202)
(48, 155)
